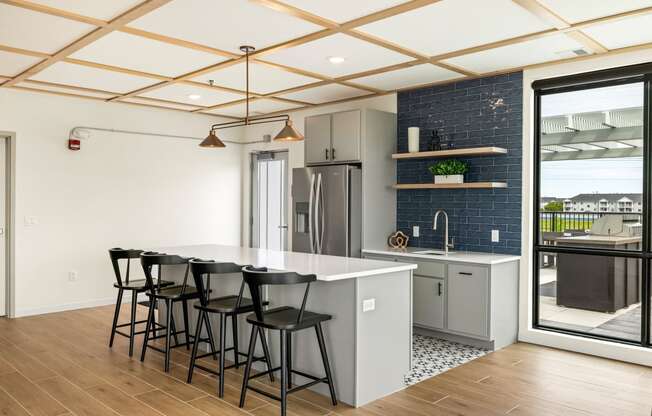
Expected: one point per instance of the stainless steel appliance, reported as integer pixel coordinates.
(327, 210)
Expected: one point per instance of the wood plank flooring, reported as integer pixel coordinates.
(60, 365)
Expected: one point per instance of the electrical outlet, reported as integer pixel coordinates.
(72, 276)
(495, 236)
(415, 231)
(30, 220)
(368, 305)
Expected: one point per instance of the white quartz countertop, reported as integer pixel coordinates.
(453, 256)
(326, 268)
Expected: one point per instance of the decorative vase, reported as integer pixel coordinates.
(413, 139)
(449, 178)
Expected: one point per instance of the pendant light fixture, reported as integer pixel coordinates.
(287, 134)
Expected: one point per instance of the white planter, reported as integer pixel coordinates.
(449, 178)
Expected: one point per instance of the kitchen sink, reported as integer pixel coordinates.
(432, 252)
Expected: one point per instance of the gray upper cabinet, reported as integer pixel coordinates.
(333, 138)
(346, 136)
(318, 138)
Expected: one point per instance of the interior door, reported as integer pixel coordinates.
(346, 136)
(318, 139)
(269, 210)
(3, 239)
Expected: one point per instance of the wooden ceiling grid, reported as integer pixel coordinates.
(102, 28)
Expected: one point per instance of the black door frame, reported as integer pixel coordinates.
(597, 79)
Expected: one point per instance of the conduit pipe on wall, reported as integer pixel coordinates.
(82, 133)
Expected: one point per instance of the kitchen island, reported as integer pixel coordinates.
(369, 339)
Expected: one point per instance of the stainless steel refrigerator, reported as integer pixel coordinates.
(327, 210)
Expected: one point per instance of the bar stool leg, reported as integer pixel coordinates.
(327, 366)
(234, 327)
(288, 352)
(132, 327)
(174, 326)
(268, 359)
(250, 356)
(168, 324)
(284, 373)
(211, 339)
(148, 327)
(195, 345)
(185, 324)
(222, 347)
(116, 315)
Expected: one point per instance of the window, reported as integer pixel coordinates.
(592, 261)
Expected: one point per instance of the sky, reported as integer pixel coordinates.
(564, 179)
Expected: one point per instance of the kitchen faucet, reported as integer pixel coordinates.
(447, 245)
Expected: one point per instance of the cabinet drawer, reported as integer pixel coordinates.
(465, 270)
(431, 269)
(379, 257)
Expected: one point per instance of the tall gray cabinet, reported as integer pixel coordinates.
(364, 137)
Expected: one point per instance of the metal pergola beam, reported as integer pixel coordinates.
(593, 154)
(593, 136)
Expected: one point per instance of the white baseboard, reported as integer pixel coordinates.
(71, 306)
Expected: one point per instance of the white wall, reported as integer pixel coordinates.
(296, 156)
(119, 190)
(526, 333)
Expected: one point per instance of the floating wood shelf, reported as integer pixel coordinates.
(469, 151)
(467, 185)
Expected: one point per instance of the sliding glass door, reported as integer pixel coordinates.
(592, 189)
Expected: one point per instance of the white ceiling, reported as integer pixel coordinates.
(86, 77)
(574, 11)
(21, 28)
(224, 24)
(343, 10)
(456, 24)
(99, 9)
(146, 55)
(12, 63)
(263, 79)
(391, 45)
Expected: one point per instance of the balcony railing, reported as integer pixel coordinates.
(557, 221)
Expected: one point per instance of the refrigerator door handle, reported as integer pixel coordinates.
(318, 231)
(322, 214)
(310, 213)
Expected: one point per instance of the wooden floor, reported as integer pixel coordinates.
(59, 364)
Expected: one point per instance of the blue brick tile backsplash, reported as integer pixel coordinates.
(470, 113)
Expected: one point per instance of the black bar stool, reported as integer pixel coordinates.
(134, 286)
(287, 320)
(171, 295)
(226, 306)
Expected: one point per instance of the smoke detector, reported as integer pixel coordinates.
(572, 53)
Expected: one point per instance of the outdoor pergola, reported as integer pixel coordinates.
(593, 135)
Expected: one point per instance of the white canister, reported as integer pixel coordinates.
(413, 139)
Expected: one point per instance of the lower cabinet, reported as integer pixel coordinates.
(468, 300)
(429, 294)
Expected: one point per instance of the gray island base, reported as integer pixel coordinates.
(369, 339)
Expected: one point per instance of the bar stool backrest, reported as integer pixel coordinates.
(149, 259)
(258, 277)
(201, 268)
(118, 254)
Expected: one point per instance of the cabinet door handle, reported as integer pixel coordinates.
(439, 289)
(326, 150)
(466, 273)
(333, 153)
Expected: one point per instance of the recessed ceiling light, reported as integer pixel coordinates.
(194, 96)
(335, 59)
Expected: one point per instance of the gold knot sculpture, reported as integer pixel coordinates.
(398, 240)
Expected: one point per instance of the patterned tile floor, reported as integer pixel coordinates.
(431, 356)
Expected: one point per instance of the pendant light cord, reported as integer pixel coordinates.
(247, 85)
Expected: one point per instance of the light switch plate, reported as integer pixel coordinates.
(368, 305)
(495, 236)
(415, 231)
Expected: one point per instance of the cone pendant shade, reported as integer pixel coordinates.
(288, 134)
(212, 141)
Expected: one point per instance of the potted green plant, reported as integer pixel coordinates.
(449, 171)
